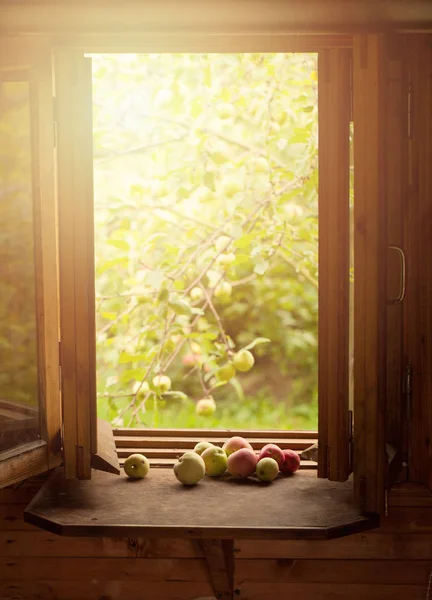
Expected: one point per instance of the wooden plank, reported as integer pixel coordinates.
(77, 308)
(105, 458)
(370, 546)
(408, 520)
(23, 465)
(40, 543)
(369, 273)
(395, 572)
(419, 284)
(102, 590)
(129, 441)
(222, 434)
(47, 256)
(224, 17)
(220, 569)
(215, 508)
(396, 189)
(334, 103)
(103, 569)
(324, 591)
(12, 518)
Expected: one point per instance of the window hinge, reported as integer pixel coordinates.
(351, 439)
(409, 111)
(407, 391)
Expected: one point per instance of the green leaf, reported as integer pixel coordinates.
(238, 388)
(109, 264)
(154, 279)
(261, 267)
(121, 244)
(180, 307)
(258, 340)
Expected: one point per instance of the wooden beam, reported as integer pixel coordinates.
(370, 247)
(334, 108)
(224, 16)
(220, 563)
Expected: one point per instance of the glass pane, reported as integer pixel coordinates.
(19, 402)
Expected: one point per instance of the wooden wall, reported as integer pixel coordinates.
(392, 562)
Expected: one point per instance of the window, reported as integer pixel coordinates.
(338, 67)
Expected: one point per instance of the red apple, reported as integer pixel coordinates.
(242, 463)
(235, 444)
(272, 451)
(291, 462)
(189, 360)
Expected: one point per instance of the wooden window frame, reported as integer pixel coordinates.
(79, 415)
(34, 63)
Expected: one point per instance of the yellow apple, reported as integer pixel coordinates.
(136, 466)
(162, 383)
(243, 360)
(215, 461)
(190, 468)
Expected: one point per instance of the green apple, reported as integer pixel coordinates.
(222, 243)
(267, 469)
(231, 187)
(261, 165)
(205, 407)
(136, 466)
(196, 294)
(226, 372)
(162, 383)
(190, 468)
(223, 290)
(215, 461)
(243, 360)
(226, 259)
(201, 446)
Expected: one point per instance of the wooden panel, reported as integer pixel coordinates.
(396, 182)
(332, 571)
(215, 508)
(363, 546)
(77, 306)
(333, 304)
(104, 590)
(369, 273)
(230, 16)
(33, 459)
(40, 543)
(185, 443)
(104, 569)
(223, 434)
(220, 568)
(323, 591)
(106, 458)
(419, 284)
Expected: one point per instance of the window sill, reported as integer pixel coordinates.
(297, 507)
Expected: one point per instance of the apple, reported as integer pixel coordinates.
(202, 194)
(190, 360)
(141, 388)
(162, 383)
(242, 463)
(231, 187)
(226, 259)
(291, 462)
(136, 466)
(236, 443)
(261, 165)
(190, 468)
(205, 407)
(215, 461)
(196, 294)
(196, 348)
(223, 290)
(226, 372)
(267, 469)
(222, 243)
(201, 446)
(272, 451)
(243, 360)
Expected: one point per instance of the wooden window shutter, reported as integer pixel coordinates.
(334, 108)
(370, 254)
(30, 403)
(82, 446)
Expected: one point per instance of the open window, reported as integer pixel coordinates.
(29, 380)
(351, 96)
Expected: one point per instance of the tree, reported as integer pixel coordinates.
(206, 226)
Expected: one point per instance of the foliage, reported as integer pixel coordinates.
(206, 236)
(18, 350)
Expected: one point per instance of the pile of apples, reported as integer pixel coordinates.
(236, 457)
